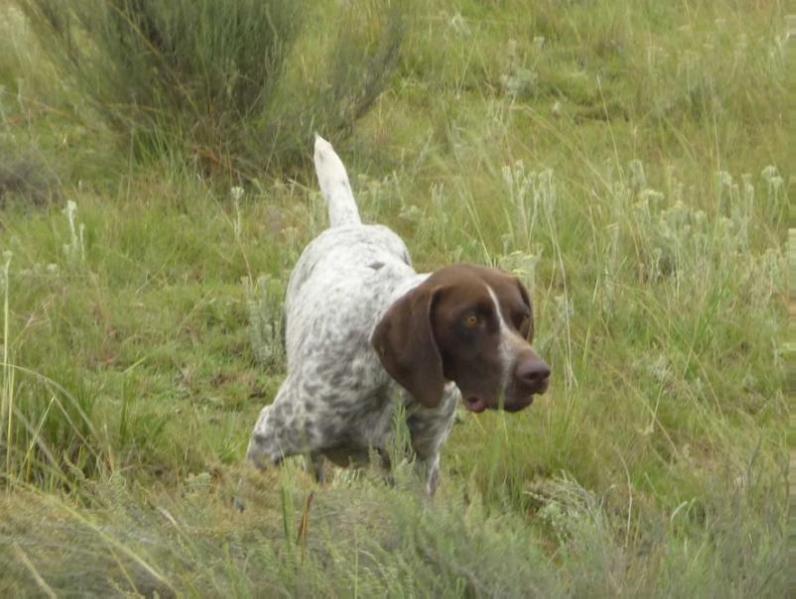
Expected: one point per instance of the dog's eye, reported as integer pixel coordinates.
(471, 321)
(521, 321)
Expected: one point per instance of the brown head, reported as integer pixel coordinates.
(467, 324)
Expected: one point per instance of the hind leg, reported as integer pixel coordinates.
(282, 430)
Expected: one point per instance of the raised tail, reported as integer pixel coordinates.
(334, 185)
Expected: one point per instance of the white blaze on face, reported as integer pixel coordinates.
(510, 345)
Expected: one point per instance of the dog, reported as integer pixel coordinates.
(366, 333)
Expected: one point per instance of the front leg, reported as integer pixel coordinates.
(429, 429)
(428, 470)
(315, 464)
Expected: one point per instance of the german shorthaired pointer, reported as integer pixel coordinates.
(366, 333)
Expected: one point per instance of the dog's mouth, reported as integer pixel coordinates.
(477, 404)
(518, 404)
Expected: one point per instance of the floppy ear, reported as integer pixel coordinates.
(404, 341)
(527, 333)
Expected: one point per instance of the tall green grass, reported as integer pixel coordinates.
(628, 161)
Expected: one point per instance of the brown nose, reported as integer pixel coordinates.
(532, 374)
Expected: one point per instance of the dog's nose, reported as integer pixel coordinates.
(533, 374)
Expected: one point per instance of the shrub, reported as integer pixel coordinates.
(207, 80)
(25, 176)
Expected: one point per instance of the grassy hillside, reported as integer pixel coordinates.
(629, 160)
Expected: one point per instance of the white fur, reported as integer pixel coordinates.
(336, 188)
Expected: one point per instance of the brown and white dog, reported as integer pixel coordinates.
(366, 333)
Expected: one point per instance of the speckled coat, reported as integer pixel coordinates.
(337, 399)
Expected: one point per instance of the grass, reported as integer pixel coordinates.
(628, 160)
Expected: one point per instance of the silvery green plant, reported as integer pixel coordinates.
(237, 195)
(7, 389)
(75, 250)
(522, 201)
(775, 188)
(266, 322)
(523, 266)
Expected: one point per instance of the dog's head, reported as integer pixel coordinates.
(470, 325)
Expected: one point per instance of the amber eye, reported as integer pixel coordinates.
(471, 321)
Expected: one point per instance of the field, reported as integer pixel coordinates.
(629, 160)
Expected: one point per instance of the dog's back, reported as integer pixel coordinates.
(347, 273)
